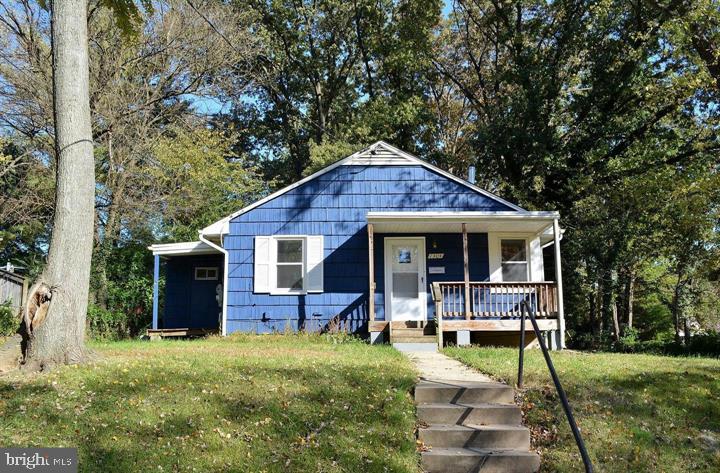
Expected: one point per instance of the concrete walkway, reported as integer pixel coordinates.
(434, 366)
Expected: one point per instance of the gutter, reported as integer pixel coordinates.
(222, 250)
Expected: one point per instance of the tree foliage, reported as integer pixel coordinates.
(604, 110)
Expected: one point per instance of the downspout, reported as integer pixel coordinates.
(222, 250)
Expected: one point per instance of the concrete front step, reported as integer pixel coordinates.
(478, 436)
(463, 460)
(411, 347)
(469, 414)
(463, 392)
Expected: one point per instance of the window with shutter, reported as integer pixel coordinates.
(289, 264)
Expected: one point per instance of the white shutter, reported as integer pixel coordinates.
(495, 265)
(261, 279)
(315, 253)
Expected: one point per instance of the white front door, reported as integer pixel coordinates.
(405, 296)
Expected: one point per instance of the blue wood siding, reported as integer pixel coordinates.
(190, 303)
(335, 205)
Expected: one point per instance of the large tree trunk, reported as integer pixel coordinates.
(58, 337)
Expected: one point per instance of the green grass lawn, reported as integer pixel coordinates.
(637, 412)
(249, 403)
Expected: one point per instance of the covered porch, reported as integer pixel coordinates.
(521, 263)
(190, 303)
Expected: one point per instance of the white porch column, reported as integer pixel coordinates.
(558, 277)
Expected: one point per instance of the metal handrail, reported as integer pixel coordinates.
(525, 309)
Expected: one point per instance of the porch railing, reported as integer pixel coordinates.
(495, 299)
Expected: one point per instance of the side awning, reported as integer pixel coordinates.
(185, 248)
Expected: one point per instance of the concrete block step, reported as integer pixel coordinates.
(469, 414)
(407, 347)
(478, 436)
(463, 460)
(414, 339)
(463, 392)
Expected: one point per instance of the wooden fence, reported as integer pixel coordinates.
(13, 288)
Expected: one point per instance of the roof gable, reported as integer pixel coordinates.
(378, 154)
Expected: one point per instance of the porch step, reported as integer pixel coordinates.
(463, 392)
(469, 414)
(400, 324)
(410, 331)
(414, 339)
(463, 460)
(478, 436)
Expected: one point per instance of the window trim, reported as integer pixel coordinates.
(206, 269)
(526, 261)
(495, 257)
(277, 291)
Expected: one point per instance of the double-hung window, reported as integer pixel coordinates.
(288, 264)
(514, 260)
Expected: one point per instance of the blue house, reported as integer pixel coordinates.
(380, 243)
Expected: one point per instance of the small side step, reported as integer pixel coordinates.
(466, 414)
(463, 392)
(463, 460)
(477, 436)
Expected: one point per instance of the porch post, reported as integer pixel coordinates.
(371, 271)
(156, 291)
(466, 264)
(558, 277)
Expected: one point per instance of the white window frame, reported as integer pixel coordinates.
(274, 290)
(207, 269)
(526, 262)
(533, 253)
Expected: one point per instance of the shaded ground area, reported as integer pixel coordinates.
(249, 403)
(637, 412)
